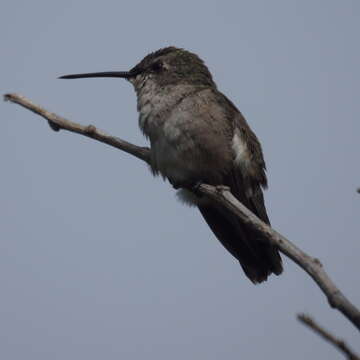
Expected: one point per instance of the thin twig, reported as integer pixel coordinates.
(338, 343)
(57, 123)
(223, 197)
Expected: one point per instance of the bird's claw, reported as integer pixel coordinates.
(221, 188)
(192, 186)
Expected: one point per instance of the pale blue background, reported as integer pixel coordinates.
(98, 260)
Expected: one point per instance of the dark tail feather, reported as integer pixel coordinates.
(257, 258)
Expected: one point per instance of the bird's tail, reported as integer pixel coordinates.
(257, 257)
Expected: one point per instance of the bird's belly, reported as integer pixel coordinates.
(183, 151)
(169, 160)
(172, 164)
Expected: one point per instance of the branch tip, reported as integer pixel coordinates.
(7, 97)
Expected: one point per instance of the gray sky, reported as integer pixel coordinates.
(98, 260)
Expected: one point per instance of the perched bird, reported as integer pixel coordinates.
(198, 135)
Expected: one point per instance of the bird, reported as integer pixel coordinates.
(197, 135)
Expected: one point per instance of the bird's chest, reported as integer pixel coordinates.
(164, 126)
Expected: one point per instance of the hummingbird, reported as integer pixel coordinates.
(197, 135)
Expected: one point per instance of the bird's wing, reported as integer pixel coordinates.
(246, 178)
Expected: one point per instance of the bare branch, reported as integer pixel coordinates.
(57, 123)
(312, 266)
(338, 343)
(223, 197)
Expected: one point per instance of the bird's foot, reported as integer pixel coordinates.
(222, 188)
(195, 188)
(189, 185)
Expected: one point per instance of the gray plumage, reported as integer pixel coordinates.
(198, 135)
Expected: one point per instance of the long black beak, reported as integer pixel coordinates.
(118, 74)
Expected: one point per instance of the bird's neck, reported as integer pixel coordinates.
(155, 103)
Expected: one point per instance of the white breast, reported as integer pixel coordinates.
(163, 127)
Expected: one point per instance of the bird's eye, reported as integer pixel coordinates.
(157, 66)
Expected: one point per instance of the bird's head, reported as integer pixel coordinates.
(164, 67)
